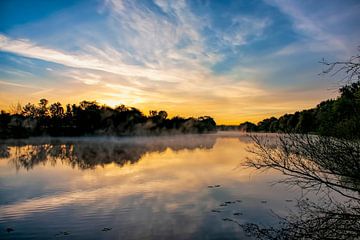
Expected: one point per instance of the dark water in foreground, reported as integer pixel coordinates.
(139, 188)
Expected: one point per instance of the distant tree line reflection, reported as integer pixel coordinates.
(87, 154)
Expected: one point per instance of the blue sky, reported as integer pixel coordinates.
(233, 60)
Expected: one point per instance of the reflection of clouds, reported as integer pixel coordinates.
(165, 189)
(165, 169)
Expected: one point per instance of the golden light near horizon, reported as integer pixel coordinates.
(222, 60)
(179, 119)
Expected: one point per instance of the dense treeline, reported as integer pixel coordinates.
(90, 118)
(338, 117)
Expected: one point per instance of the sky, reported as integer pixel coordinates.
(233, 60)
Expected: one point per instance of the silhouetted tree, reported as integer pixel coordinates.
(338, 117)
(248, 127)
(326, 165)
(90, 118)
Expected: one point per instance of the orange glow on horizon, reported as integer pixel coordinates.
(222, 113)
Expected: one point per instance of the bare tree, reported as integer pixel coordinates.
(15, 108)
(350, 68)
(311, 162)
(328, 165)
(331, 167)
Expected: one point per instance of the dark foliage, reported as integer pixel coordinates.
(327, 164)
(248, 127)
(90, 118)
(338, 118)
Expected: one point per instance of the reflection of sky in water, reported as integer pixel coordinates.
(162, 195)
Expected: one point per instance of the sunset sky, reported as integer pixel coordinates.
(232, 60)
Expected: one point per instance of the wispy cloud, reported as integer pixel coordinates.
(85, 77)
(7, 83)
(242, 30)
(317, 37)
(159, 56)
(26, 48)
(168, 37)
(185, 57)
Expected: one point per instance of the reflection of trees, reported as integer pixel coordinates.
(328, 165)
(4, 151)
(89, 153)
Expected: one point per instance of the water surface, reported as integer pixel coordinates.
(135, 188)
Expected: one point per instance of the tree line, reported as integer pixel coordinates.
(326, 165)
(90, 118)
(338, 117)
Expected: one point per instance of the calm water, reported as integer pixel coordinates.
(139, 188)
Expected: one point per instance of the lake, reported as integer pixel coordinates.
(169, 187)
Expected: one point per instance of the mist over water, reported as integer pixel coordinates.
(135, 188)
